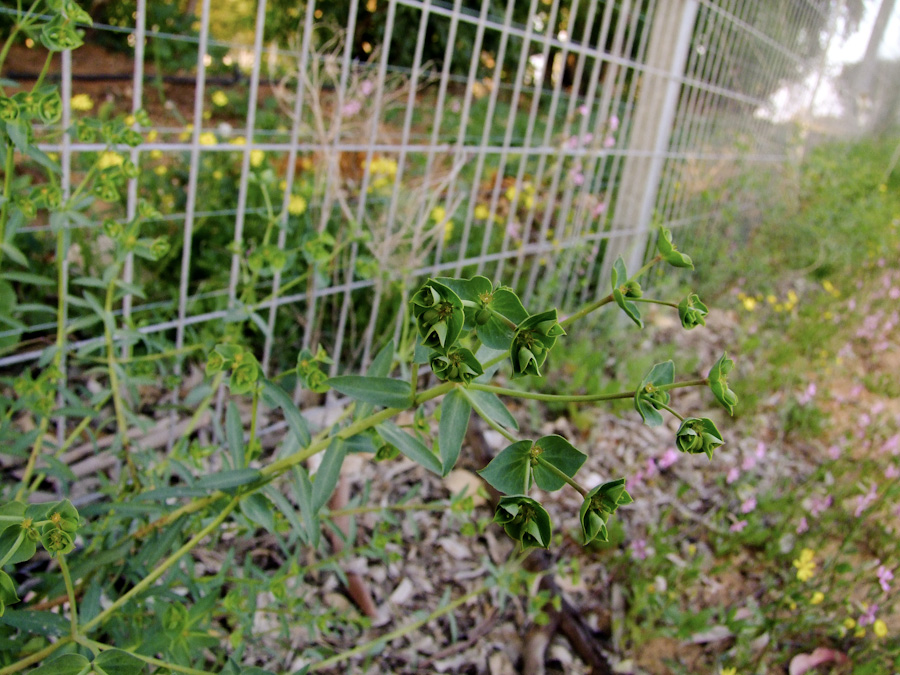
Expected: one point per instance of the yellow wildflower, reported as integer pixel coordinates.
(186, 134)
(217, 175)
(448, 231)
(482, 212)
(155, 154)
(528, 201)
(849, 623)
(879, 628)
(749, 304)
(817, 598)
(806, 566)
(207, 138)
(129, 120)
(860, 632)
(792, 297)
(238, 140)
(511, 192)
(882, 187)
(161, 170)
(219, 99)
(729, 671)
(152, 135)
(82, 102)
(297, 205)
(771, 299)
(256, 158)
(109, 159)
(438, 213)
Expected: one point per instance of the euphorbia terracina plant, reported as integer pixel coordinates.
(104, 618)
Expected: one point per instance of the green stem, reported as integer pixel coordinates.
(684, 383)
(102, 647)
(118, 403)
(12, 35)
(253, 414)
(7, 183)
(658, 404)
(651, 263)
(32, 458)
(399, 632)
(549, 397)
(561, 475)
(39, 655)
(414, 378)
(145, 583)
(655, 302)
(44, 70)
(15, 547)
(70, 591)
(587, 309)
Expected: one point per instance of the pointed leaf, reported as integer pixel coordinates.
(383, 391)
(488, 406)
(455, 413)
(67, 664)
(561, 454)
(228, 480)
(327, 476)
(276, 396)
(234, 434)
(409, 446)
(509, 472)
(258, 509)
(381, 364)
(303, 491)
(118, 662)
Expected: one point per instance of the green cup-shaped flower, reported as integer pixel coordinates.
(64, 516)
(534, 339)
(599, 504)
(106, 190)
(439, 315)
(386, 452)
(696, 435)
(215, 363)
(692, 312)
(245, 373)
(525, 520)
(49, 107)
(9, 109)
(26, 206)
(56, 540)
(718, 383)
(129, 169)
(159, 247)
(131, 138)
(670, 252)
(457, 365)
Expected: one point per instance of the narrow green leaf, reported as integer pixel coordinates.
(488, 406)
(381, 364)
(234, 435)
(40, 623)
(558, 452)
(328, 474)
(258, 509)
(409, 446)
(118, 662)
(29, 278)
(455, 413)
(382, 391)
(303, 490)
(228, 480)
(278, 397)
(67, 664)
(510, 471)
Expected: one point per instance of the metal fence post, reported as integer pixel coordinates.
(651, 131)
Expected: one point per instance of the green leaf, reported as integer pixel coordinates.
(383, 391)
(8, 594)
(303, 490)
(497, 333)
(118, 662)
(24, 549)
(278, 397)
(381, 364)
(67, 664)
(510, 471)
(328, 474)
(525, 520)
(40, 623)
(12, 509)
(228, 480)
(558, 452)
(619, 279)
(409, 446)
(28, 278)
(490, 407)
(234, 434)
(13, 253)
(455, 413)
(258, 509)
(718, 383)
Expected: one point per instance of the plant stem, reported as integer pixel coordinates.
(657, 258)
(44, 70)
(549, 397)
(658, 404)
(39, 655)
(414, 378)
(70, 591)
(399, 632)
(561, 475)
(253, 414)
(32, 458)
(655, 302)
(587, 309)
(145, 583)
(100, 646)
(12, 34)
(684, 383)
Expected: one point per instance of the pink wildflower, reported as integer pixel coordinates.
(894, 293)
(652, 469)
(733, 474)
(819, 504)
(350, 108)
(639, 549)
(582, 110)
(834, 452)
(738, 526)
(599, 209)
(578, 178)
(669, 457)
(613, 123)
(865, 501)
(748, 463)
(884, 577)
(367, 87)
(609, 142)
(891, 472)
(748, 505)
(760, 450)
(802, 526)
(892, 445)
(868, 615)
(851, 304)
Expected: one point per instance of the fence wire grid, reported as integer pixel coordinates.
(546, 139)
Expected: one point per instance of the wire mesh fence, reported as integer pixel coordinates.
(309, 178)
